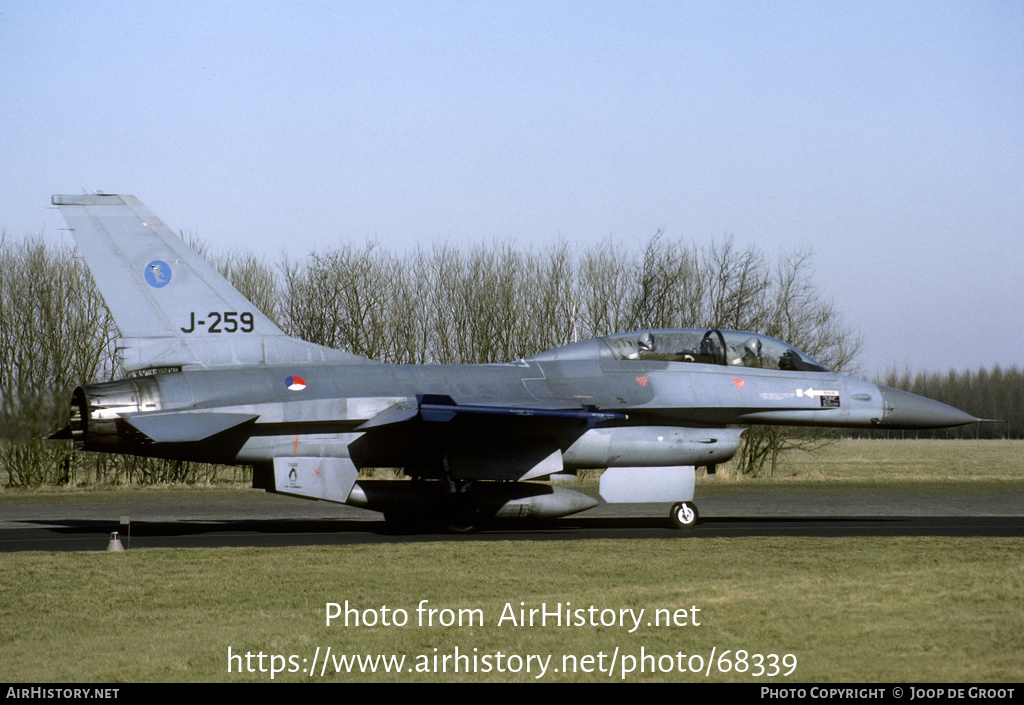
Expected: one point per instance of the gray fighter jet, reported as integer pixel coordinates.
(473, 440)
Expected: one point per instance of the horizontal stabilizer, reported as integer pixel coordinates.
(442, 408)
(185, 426)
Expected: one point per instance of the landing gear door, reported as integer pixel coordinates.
(330, 479)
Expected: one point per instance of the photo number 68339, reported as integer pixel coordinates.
(222, 322)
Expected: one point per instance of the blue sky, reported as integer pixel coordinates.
(887, 136)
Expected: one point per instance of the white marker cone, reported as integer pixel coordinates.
(115, 543)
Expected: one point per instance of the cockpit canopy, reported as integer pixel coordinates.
(707, 346)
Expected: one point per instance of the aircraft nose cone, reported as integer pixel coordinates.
(906, 410)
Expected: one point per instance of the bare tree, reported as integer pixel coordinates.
(54, 332)
(606, 276)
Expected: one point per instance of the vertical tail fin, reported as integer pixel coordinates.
(172, 308)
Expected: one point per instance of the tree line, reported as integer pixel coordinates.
(443, 304)
(994, 393)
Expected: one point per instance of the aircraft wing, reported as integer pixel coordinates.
(479, 440)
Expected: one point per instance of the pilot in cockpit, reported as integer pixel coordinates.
(751, 353)
(646, 342)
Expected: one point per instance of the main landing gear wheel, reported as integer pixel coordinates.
(684, 515)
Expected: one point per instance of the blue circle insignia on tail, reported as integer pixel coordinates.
(158, 274)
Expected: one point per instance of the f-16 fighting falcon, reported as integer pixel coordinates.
(475, 441)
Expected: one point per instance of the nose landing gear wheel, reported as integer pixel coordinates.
(684, 515)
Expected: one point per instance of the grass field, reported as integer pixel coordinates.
(867, 460)
(836, 610)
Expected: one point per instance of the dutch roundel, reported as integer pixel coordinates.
(295, 383)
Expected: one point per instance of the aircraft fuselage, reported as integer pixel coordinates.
(321, 414)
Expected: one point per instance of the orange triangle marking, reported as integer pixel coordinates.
(738, 382)
(642, 381)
